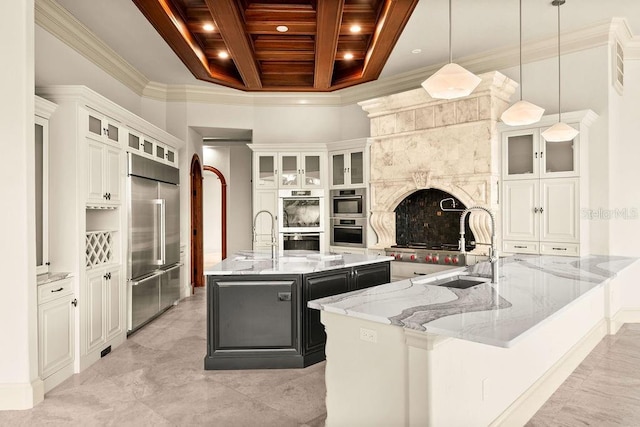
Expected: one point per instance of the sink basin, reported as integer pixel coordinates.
(461, 281)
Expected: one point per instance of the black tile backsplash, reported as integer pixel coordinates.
(419, 219)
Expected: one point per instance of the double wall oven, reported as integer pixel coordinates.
(301, 220)
(348, 218)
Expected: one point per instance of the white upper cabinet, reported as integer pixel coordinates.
(300, 170)
(103, 173)
(43, 109)
(347, 168)
(265, 170)
(104, 129)
(527, 155)
(145, 146)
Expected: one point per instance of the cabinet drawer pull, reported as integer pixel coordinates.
(520, 246)
(284, 296)
(559, 249)
(57, 290)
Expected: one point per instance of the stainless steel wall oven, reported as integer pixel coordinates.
(350, 232)
(348, 203)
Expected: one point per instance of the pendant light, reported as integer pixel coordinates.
(451, 81)
(522, 112)
(560, 131)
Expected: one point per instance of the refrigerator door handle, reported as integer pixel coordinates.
(146, 279)
(163, 231)
(158, 234)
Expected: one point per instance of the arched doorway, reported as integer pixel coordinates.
(223, 208)
(197, 273)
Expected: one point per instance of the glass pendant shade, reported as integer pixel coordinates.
(522, 113)
(559, 132)
(450, 82)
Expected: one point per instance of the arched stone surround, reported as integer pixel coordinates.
(420, 143)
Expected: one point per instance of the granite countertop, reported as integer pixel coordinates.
(288, 262)
(45, 278)
(531, 288)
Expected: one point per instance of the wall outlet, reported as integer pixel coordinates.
(368, 335)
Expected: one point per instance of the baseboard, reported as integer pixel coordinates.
(21, 396)
(521, 411)
(58, 377)
(625, 315)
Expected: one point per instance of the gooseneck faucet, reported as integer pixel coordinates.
(274, 243)
(493, 252)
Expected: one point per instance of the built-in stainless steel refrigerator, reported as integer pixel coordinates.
(154, 239)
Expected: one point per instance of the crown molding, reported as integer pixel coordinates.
(51, 16)
(55, 19)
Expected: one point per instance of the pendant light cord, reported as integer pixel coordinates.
(559, 78)
(450, 54)
(520, 26)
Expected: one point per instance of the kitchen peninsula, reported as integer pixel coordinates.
(257, 315)
(415, 353)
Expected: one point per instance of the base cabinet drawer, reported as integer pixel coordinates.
(567, 249)
(509, 246)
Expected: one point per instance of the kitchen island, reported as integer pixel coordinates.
(415, 353)
(257, 315)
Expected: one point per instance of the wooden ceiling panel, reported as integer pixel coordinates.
(309, 56)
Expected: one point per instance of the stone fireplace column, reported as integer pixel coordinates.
(452, 145)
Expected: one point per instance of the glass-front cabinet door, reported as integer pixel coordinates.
(289, 170)
(312, 170)
(266, 170)
(338, 169)
(42, 193)
(559, 159)
(520, 151)
(356, 167)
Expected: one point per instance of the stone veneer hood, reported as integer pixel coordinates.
(453, 145)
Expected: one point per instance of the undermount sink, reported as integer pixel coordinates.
(461, 281)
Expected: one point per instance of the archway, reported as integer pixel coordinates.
(197, 256)
(223, 208)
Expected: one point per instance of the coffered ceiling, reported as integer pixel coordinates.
(281, 45)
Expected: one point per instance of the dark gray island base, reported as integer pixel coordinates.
(257, 315)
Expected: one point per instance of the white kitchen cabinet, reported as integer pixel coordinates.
(103, 173)
(43, 110)
(104, 307)
(56, 327)
(347, 168)
(544, 187)
(527, 155)
(145, 146)
(265, 171)
(102, 128)
(541, 216)
(301, 170)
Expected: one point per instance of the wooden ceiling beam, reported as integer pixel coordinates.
(392, 21)
(231, 26)
(328, 30)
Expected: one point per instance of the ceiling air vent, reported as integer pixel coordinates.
(618, 67)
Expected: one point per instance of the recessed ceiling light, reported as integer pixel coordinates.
(348, 56)
(282, 28)
(416, 51)
(355, 28)
(223, 54)
(208, 27)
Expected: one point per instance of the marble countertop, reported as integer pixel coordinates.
(288, 262)
(531, 289)
(45, 278)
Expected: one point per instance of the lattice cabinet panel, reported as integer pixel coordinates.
(99, 248)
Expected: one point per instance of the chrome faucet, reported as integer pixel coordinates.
(274, 243)
(493, 252)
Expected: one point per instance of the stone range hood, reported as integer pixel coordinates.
(453, 145)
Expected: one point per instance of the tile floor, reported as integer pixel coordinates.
(156, 379)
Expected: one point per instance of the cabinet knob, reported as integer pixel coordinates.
(541, 210)
(74, 302)
(535, 210)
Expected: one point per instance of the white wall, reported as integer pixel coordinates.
(20, 386)
(58, 64)
(217, 157)
(239, 219)
(625, 169)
